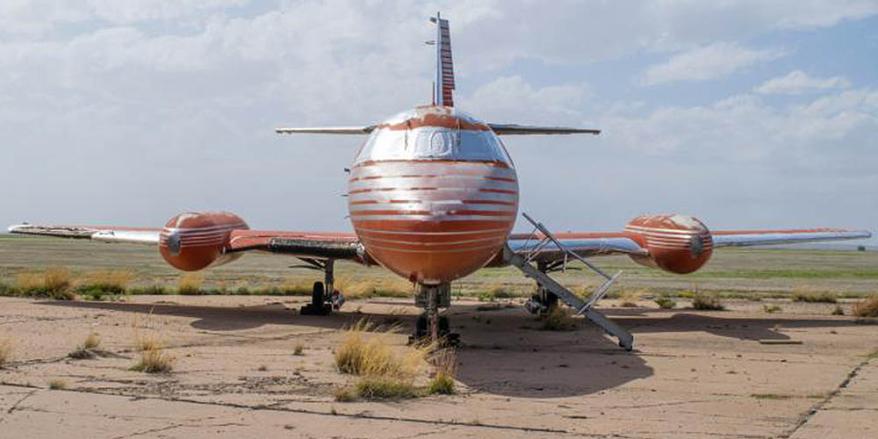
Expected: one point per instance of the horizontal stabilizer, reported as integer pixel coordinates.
(326, 130)
(510, 129)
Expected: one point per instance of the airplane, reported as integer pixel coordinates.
(433, 197)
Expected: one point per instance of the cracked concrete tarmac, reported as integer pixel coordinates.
(693, 374)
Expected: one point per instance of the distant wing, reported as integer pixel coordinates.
(326, 130)
(509, 129)
(746, 238)
(132, 235)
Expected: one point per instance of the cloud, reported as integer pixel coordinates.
(830, 135)
(798, 82)
(708, 62)
(511, 98)
(599, 31)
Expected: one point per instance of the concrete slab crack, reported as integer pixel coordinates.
(320, 413)
(21, 400)
(820, 404)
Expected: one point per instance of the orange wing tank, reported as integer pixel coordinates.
(676, 243)
(195, 241)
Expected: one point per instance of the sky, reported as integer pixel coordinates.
(742, 113)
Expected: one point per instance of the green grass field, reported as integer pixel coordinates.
(752, 272)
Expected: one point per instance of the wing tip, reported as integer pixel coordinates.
(16, 228)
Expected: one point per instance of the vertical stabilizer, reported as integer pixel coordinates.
(444, 87)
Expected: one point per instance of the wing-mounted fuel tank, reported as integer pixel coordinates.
(194, 241)
(678, 244)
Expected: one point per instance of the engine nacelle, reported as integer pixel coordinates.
(194, 241)
(676, 243)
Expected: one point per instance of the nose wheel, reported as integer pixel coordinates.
(430, 326)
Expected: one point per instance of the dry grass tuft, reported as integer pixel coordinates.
(156, 290)
(53, 283)
(147, 343)
(154, 361)
(6, 290)
(442, 382)
(837, 311)
(807, 296)
(559, 318)
(5, 351)
(346, 394)
(770, 396)
(86, 349)
(497, 291)
(299, 350)
(629, 299)
(190, 284)
(384, 372)
(380, 387)
(665, 302)
(364, 289)
(92, 341)
(57, 384)
(362, 354)
(867, 307)
(707, 302)
(98, 283)
(771, 309)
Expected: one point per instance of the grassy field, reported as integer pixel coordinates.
(751, 272)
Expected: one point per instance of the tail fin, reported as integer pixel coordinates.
(443, 94)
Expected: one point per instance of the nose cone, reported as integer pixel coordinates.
(433, 221)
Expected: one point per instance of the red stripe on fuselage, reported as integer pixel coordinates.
(439, 239)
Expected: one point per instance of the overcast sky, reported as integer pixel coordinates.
(744, 114)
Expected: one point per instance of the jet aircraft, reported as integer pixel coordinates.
(433, 197)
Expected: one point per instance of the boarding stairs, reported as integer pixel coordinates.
(524, 261)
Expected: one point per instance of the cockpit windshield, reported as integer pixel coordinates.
(433, 143)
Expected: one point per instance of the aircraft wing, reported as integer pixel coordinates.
(317, 245)
(587, 244)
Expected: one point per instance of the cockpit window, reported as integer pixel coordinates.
(433, 143)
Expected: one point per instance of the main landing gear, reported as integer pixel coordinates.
(324, 297)
(543, 300)
(430, 326)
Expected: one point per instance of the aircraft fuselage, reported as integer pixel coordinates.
(433, 195)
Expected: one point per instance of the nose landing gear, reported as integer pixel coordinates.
(430, 326)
